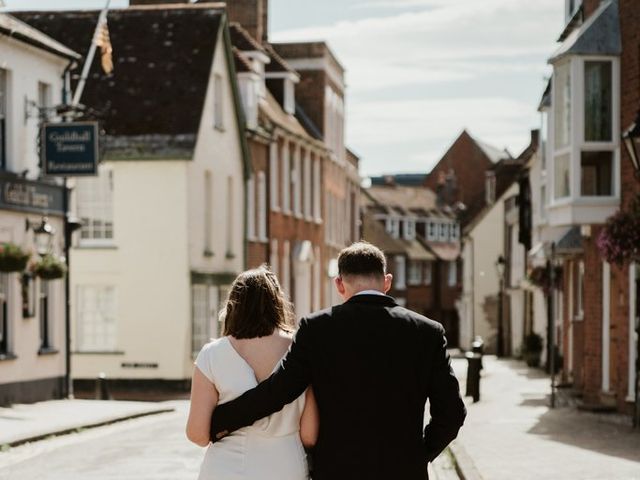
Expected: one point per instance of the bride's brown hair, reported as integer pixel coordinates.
(256, 305)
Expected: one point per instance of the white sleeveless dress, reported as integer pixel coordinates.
(270, 449)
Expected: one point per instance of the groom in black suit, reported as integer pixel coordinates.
(373, 365)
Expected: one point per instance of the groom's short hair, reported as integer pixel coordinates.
(362, 259)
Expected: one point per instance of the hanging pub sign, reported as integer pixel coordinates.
(70, 149)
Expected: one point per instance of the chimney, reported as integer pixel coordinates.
(253, 15)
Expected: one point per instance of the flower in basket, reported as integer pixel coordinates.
(619, 240)
(13, 258)
(49, 267)
(539, 276)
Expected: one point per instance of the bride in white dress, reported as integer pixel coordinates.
(258, 333)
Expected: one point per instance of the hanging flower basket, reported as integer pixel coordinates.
(539, 276)
(49, 267)
(13, 258)
(619, 240)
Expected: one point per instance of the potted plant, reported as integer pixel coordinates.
(13, 258)
(539, 276)
(532, 349)
(619, 240)
(49, 267)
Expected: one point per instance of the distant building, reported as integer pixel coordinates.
(422, 246)
(164, 221)
(304, 189)
(33, 342)
(459, 176)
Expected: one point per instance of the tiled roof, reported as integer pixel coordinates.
(12, 27)
(272, 110)
(243, 40)
(278, 64)
(598, 35)
(162, 57)
(403, 197)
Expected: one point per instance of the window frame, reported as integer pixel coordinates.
(104, 205)
(400, 272)
(452, 273)
(415, 273)
(99, 289)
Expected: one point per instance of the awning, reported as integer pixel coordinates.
(445, 251)
(599, 35)
(570, 243)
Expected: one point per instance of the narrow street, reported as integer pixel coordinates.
(150, 447)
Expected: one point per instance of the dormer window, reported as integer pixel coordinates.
(282, 85)
(443, 232)
(432, 231)
(409, 229)
(455, 232)
(392, 227)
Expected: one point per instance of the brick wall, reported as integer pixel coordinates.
(469, 163)
(252, 14)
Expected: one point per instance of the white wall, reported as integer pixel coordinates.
(148, 266)
(24, 333)
(26, 66)
(488, 245)
(220, 153)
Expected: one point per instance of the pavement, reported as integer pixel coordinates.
(23, 423)
(511, 433)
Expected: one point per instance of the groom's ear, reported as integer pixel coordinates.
(339, 285)
(388, 281)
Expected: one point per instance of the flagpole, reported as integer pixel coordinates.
(92, 51)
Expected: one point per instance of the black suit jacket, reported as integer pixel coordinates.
(372, 365)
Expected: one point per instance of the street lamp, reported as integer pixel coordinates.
(43, 233)
(500, 268)
(631, 139)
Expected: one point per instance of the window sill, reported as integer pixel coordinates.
(230, 256)
(318, 221)
(98, 352)
(48, 351)
(263, 240)
(275, 209)
(208, 254)
(7, 356)
(96, 247)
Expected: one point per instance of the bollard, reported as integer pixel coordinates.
(102, 390)
(478, 347)
(473, 375)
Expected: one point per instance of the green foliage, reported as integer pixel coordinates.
(50, 268)
(13, 258)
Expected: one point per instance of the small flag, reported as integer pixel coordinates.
(103, 41)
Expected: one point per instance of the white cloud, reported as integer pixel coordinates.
(471, 44)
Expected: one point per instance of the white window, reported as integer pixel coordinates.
(580, 292)
(273, 256)
(44, 100)
(251, 209)
(409, 229)
(94, 196)
(307, 185)
(286, 179)
(296, 181)
(262, 207)
(432, 231)
(393, 227)
(544, 137)
(490, 187)
(96, 321)
(454, 231)
(273, 176)
(562, 105)
(208, 214)
(400, 272)
(218, 99)
(415, 272)
(230, 218)
(285, 275)
(428, 272)
(4, 123)
(443, 232)
(5, 332)
(289, 96)
(452, 280)
(205, 304)
(317, 191)
(596, 166)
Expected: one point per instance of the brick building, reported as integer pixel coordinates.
(303, 193)
(594, 96)
(459, 176)
(422, 246)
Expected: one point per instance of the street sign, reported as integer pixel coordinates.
(24, 195)
(70, 149)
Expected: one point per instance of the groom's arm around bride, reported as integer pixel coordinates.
(373, 365)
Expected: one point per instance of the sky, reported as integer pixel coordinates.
(418, 72)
